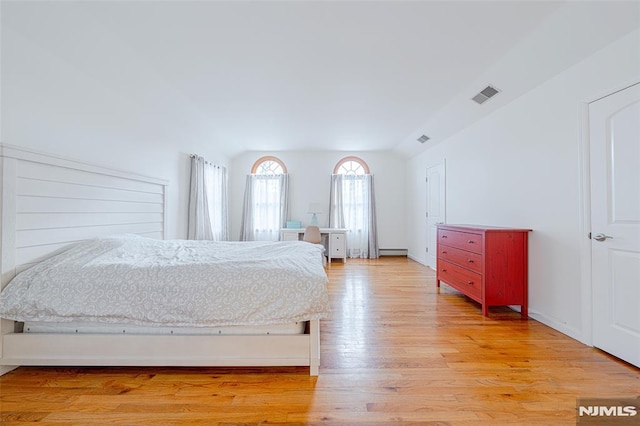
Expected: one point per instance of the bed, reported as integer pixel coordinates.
(55, 209)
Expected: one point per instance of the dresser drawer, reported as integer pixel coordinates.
(290, 236)
(462, 240)
(467, 259)
(468, 282)
(338, 245)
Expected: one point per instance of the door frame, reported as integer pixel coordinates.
(442, 163)
(585, 211)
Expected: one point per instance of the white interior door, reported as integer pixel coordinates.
(435, 208)
(615, 222)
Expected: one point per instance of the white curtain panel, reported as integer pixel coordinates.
(208, 203)
(266, 207)
(352, 206)
(216, 177)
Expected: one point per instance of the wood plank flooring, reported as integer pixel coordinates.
(395, 351)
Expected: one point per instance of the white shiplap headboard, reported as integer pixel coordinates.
(48, 202)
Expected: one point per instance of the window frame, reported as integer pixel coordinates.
(360, 161)
(258, 163)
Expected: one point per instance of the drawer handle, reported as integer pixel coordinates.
(470, 241)
(444, 252)
(443, 270)
(470, 282)
(470, 261)
(444, 236)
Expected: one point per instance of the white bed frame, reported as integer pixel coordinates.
(47, 202)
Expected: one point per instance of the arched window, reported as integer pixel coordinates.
(265, 200)
(353, 206)
(268, 166)
(351, 166)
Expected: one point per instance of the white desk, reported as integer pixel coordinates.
(336, 240)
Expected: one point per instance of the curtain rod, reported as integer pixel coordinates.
(192, 156)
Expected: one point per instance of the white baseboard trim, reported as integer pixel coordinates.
(4, 369)
(417, 259)
(558, 326)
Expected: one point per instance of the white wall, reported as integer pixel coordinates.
(310, 178)
(51, 105)
(520, 167)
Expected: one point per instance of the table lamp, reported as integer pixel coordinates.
(315, 209)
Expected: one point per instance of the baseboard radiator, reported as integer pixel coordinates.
(393, 252)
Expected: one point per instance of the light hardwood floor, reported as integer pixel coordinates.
(395, 351)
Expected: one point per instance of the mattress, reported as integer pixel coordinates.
(93, 328)
(175, 283)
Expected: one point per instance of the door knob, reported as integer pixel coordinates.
(601, 237)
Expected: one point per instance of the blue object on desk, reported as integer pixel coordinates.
(294, 224)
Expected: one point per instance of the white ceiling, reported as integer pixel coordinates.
(315, 75)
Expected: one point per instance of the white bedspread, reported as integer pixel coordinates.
(174, 282)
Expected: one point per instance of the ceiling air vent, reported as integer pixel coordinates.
(485, 94)
(423, 138)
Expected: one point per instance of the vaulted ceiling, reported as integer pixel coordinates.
(311, 75)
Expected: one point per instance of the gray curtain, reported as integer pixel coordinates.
(336, 211)
(352, 206)
(374, 251)
(216, 177)
(246, 231)
(266, 207)
(208, 204)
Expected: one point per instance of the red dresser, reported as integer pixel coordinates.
(488, 264)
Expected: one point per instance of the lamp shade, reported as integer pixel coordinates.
(315, 208)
